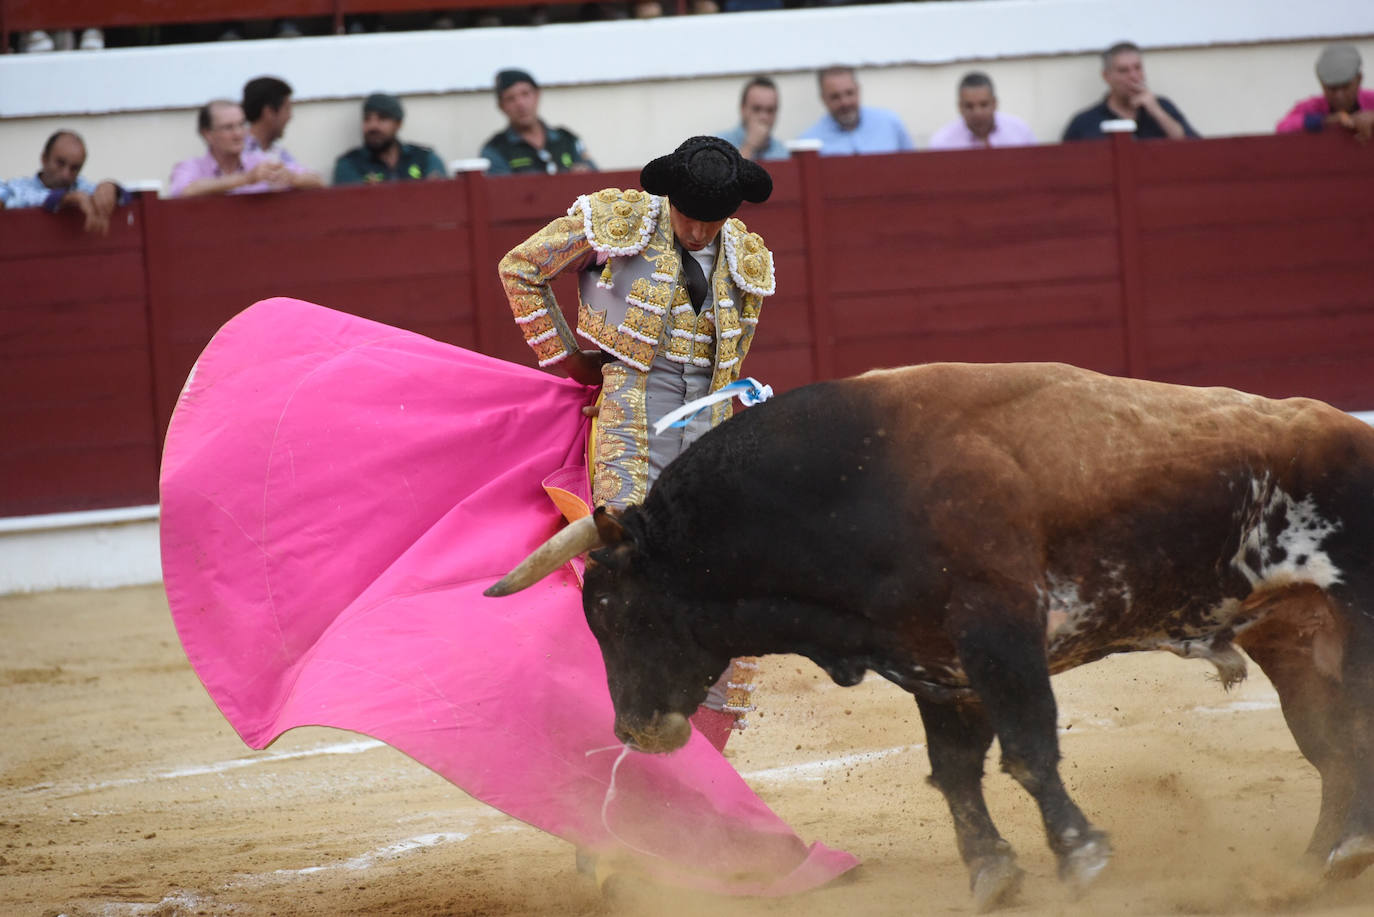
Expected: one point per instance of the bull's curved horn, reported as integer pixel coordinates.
(549, 556)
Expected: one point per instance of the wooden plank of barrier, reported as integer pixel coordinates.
(1256, 264)
(25, 15)
(1124, 151)
(75, 392)
(18, 16)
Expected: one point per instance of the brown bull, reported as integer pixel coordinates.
(966, 531)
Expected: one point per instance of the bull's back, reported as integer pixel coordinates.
(1085, 439)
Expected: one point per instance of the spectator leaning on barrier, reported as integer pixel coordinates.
(1128, 97)
(383, 157)
(1342, 100)
(226, 168)
(58, 185)
(528, 144)
(850, 127)
(267, 106)
(980, 124)
(758, 112)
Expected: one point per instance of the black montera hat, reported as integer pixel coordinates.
(706, 179)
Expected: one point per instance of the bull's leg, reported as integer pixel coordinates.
(958, 736)
(1000, 642)
(1313, 657)
(1354, 852)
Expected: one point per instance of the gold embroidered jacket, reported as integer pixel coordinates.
(636, 307)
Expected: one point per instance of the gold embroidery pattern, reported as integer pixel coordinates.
(621, 474)
(740, 687)
(721, 411)
(526, 272)
(749, 320)
(751, 263)
(638, 337)
(618, 222)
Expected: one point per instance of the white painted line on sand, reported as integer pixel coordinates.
(1241, 706)
(341, 748)
(807, 770)
(815, 770)
(389, 852)
(61, 790)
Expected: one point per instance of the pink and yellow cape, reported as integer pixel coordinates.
(336, 494)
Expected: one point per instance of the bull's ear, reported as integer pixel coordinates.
(608, 526)
(618, 545)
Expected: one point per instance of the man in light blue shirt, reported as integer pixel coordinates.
(59, 185)
(849, 127)
(758, 112)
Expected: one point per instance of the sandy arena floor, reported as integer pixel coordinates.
(123, 792)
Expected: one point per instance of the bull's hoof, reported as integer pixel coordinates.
(995, 881)
(1350, 858)
(1080, 867)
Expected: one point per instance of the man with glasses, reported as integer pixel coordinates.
(528, 145)
(226, 168)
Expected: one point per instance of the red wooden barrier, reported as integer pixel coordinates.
(1258, 259)
(76, 401)
(19, 16)
(1242, 262)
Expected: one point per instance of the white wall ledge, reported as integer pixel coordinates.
(464, 60)
(51, 521)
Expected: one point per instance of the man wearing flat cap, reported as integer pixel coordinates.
(1342, 101)
(671, 290)
(528, 145)
(383, 157)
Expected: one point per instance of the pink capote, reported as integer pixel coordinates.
(336, 494)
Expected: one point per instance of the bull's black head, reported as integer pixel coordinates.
(657, 670)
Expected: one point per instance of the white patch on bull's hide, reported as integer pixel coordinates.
(1116, 577)
(1065, 610)
(1068, 613)
(1300, 539)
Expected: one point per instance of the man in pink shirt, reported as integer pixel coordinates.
(226, 168)
(980, 124)
(1342, 100)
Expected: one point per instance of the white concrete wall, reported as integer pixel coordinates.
(95, 550)
(635, 89)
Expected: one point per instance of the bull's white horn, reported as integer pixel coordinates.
(549, 556)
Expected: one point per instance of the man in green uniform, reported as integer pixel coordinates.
(528, 145)
(383, 157)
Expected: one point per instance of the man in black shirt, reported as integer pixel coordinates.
(383, 157)
(1129, 98)
(528, 144)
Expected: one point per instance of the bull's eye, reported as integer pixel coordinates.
(604, 602)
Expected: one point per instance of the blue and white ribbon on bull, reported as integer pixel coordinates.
(750, 391)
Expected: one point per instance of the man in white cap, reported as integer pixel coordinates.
(1342, 100)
